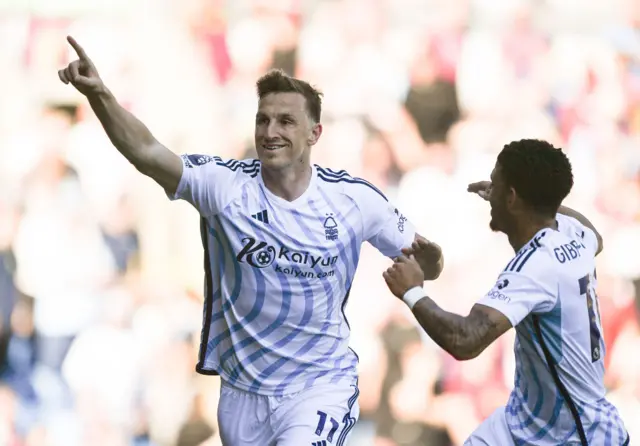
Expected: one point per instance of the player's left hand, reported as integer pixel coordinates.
(404, 274)
(428, 255)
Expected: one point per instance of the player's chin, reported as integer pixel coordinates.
(272, 158)
(494, 225)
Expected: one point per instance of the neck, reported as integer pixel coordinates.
(525, 230)
(288, 183)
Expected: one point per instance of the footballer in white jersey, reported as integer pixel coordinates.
(282, 240)
(278, 275)
(547, 293)
(279, 272)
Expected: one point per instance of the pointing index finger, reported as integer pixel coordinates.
(78, 49)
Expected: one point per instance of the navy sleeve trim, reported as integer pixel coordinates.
(250, 168)
(342, 176)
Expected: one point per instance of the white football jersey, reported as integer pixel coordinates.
(278, 273)
(548, 293)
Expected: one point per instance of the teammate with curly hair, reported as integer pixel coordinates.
(547, 292)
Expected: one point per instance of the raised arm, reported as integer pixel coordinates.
(584, 221)
(481, 188)
(126, 132)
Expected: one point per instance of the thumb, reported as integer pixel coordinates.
(75, 77)
(82, 81)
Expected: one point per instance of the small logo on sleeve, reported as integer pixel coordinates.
(496, 294)
(191, 161)
(401, 220)
(502, 284)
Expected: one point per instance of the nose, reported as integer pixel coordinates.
(271, 130)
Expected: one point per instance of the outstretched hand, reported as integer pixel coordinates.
(81, 73)
(482, 188)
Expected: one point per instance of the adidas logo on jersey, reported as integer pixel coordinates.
(261, 216)
(319, 443)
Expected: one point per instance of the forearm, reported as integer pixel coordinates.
(450, 331)
(564, 210)
(126, 132)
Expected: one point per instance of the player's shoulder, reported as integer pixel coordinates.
(248, 167)
(572, 228)
(532, 260)
(342, 182)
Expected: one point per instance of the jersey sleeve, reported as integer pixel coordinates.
(384, 225)
(208, 182)
(516, 295)
(572, 227)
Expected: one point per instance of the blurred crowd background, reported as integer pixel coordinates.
(101, 276)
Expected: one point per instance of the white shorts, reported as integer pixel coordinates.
(494, 431)
(320, 416)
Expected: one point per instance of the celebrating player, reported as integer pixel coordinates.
(547, 292)
(282, 240)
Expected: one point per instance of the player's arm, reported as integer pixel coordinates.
(463, 337)
(127, 133)
(386, 228)
(564, 210)
(481, 188)
(512, 298)
(134, 140)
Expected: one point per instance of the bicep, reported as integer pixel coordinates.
(496, 321)
(485, 325)
(164, 167)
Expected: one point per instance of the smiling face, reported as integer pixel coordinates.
(284, 131)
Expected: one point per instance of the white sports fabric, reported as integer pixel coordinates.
(548, 293)
(321, 416)
(278, 273)
(494, 431)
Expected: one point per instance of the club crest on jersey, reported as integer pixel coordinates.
(330, 228)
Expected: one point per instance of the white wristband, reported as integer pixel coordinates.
(412, 296)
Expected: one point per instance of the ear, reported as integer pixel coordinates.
(316, 131)
(512, 197)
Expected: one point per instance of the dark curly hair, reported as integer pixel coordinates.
(539, 172)
(277, 81)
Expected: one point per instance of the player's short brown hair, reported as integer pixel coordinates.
(277, 81)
